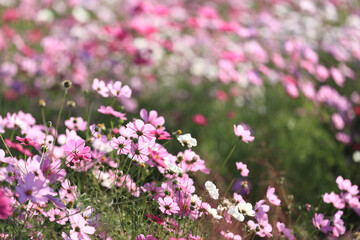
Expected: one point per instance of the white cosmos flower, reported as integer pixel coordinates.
(173, 167)
(186, 140)
(246, 209)
(212, 190)
(233, 211)
(356, 156)
(213, 213)
(194, 198)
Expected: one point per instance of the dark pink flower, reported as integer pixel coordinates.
(26, 141)
(5, 205)
(199, 119)
(77, 151)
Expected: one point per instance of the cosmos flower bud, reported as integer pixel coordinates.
(44, 148)
(71, 104)
(67, 84)
(42, 103)
(49, 124)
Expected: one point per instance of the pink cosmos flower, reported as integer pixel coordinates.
(77, 124)
(271, 196)
(345, 185)
(322, 73)
(152, 118)
(108, 110)
(142, 237)
(243, 167)
(77, 151)
(168, 206)
(192, 162)
(155, 218)
(80, 230)
(139, 152)
(118, 91)
(264, 226)
(57, 215)
(26, 141)
(261, 210)
(321, 223)
(67, 192)
(138, 129)
(199, 119)
(343, 137)
(335, 199)
(100, 87)
(5, 205)
(338, 121)
(161, 134)
(337, 76)
(122, 145)
(34, 189)
(339, 228)
(230, 235)
(285, 231)
(245, 135)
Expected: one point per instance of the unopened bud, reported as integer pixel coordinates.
(42, 103)
(71, 104)
(67, 84)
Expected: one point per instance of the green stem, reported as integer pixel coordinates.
(228, 157)
(58, 120)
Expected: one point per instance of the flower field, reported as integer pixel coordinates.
(176, 119)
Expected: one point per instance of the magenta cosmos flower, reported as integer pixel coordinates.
(77, 151)
(5, 205)
(168, 206)
(245, 135)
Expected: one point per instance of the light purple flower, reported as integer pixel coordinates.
(33, 189)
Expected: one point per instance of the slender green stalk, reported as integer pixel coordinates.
(227, 158)
(58, 120)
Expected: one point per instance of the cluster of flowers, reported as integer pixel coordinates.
(237, 208)
(348, 197)
(166, 38)
(38, 185)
